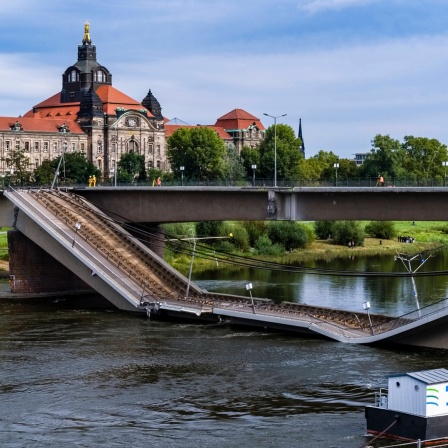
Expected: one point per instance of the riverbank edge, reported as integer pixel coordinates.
(318, 251)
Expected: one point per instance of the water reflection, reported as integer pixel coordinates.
(388, 295)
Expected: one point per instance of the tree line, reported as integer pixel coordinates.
(199, 154)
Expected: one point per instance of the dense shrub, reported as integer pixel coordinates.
(178, 230)
(264, 246)
(323, 229)
(255, 229)
(240, 237)
(345, 232)
(381, 229)
(289, 234)
(208, 228)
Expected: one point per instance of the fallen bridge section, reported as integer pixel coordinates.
(133, 278)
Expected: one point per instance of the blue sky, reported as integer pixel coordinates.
(350, 69)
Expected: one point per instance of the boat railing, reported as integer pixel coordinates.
(411, 317)
(381, 398)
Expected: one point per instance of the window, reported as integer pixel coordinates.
(54, 147)
(36, 146)
(150, 149)
(99, 76)
(7, 145)
(36, 162)
(17, 145)
(73, 76)
(27, 146)
(114, 147)
(83, 146)
(73, 146)
(158, 164)
(99, 147)
(158, 150)
(45, 146)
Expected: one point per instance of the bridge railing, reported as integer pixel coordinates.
(357, 182)
(411, 317)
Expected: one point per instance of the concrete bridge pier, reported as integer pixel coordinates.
(32, 270)
(151, 235)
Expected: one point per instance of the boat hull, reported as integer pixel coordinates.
(409, 427)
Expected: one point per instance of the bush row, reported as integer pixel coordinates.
(276, 237)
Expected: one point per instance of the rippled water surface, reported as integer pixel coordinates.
(99, 378)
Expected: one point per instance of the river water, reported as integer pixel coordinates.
(83, 378)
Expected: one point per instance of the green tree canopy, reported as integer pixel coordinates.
(235, 169)
(18, 165)
(288, 153)
(74, 168)
(200, 151)
(421, 158)
(131, 167)
(250, 156)
(383, 159)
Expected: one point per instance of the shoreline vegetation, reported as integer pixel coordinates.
(428, 235)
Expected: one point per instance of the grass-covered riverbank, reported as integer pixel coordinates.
(427, 235)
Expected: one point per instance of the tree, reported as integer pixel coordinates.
(250, 156)
(383, 158)
(288, 153)
(131, 166)
(381, 229)
(289, 234)
(235, 168)
(422, 158)
(18, 165)
(345, 232)
(200, 151)
(74, 168)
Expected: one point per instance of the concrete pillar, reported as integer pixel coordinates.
(151, 235)
(32, 270)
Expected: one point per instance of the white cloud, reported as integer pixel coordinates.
(316, 6)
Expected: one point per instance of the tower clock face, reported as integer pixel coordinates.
(132, 122)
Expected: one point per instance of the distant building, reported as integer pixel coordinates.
(360, 157)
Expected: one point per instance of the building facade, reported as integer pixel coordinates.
(89, 115)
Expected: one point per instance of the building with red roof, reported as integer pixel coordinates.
(91, 116)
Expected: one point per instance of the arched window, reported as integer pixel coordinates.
(99, 76)
(132, 145)
(73, 76)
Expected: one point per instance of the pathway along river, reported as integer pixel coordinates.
(87, 378)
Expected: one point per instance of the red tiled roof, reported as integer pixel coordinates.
(238, 119)
(171, 128)
(111, 98)
(39, 124)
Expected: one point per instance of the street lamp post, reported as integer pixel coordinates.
(444, 176)
(249, 288)
(182, 168)
(336, 166)
(191, 264)
(366, 306)
(275, 144)
(254, 167)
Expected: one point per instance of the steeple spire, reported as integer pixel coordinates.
(86, 39)
(302, 147)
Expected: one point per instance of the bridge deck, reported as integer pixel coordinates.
(134, 278)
